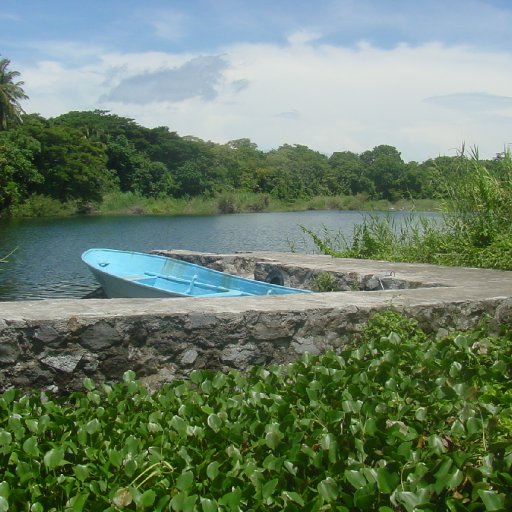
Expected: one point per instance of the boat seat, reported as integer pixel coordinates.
(230, 293)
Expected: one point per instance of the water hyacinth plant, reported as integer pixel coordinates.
(401, 422)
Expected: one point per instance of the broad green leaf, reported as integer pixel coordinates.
(214, 422)
(54, 457)
(268, 489)
(93, 426)
(231, 500)
(207, 386)
(9, 395)
(387, 481)
(196, 376)
(36, 507)
(81, 472)
(180, 425)
(444, 467)
(294, 496)
(326, 441)
(115, 457)
(456, 479)
(356, 478)
(89, 384)
(129, 376)
(412, 500)
(328, 489)
(455, 369)
(77, 502)
(4, 504)
(290, 467)
(492, 500)
(273, 436)
(219, 380)
(474, 425)
(130, 467)
(5, 438)
(458, 428)
(30, 447)
(421, 413)
(364, 498)
(212, 470)
(32, 425)
(147, 498)
(209, 505)
(185, 480)
(4, 489)
(394, 338)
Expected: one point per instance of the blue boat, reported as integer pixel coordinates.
(140, 275)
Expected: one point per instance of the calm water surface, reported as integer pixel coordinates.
(47, 264)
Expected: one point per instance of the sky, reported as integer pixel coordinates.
(426, 77)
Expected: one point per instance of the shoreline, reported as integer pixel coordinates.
(128, 204)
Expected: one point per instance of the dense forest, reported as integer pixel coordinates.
(81, 156)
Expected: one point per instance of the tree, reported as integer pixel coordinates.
(18, 173)
(302, 170)
(71, 165)
(11, 93)
(386, 169)
(238, 161)
(347, 175)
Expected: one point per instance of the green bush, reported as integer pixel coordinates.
(43, 206)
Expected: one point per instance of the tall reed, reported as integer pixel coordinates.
(476, 228)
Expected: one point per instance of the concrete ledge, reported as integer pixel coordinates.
(59, 342)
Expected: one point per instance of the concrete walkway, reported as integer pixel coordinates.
(59, 342)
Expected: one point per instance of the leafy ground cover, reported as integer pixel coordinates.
(401, 422)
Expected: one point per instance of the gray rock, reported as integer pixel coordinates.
(66, 362)
(189, 357)
(9, 352)
(100, 336)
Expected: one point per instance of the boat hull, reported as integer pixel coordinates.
(138, 275)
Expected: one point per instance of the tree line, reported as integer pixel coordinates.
(80, 156)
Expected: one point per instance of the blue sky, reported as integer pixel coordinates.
(335, 75)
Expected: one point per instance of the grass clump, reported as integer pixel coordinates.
(400, 422)
(476, 230)
(38, 205)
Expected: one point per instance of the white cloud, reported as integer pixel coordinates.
(326, 97)
(171, 24)
(303, 37)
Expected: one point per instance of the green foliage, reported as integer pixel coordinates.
(476, 230)
(17, 170)
(325, 282)
(83, 156)
(227, 203)
(400, 421)
(11, 93)
(37, 205)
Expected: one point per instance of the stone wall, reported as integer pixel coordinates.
(56, 343)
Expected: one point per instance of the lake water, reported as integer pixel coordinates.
(47, 264)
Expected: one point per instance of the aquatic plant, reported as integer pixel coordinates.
(402, 421)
